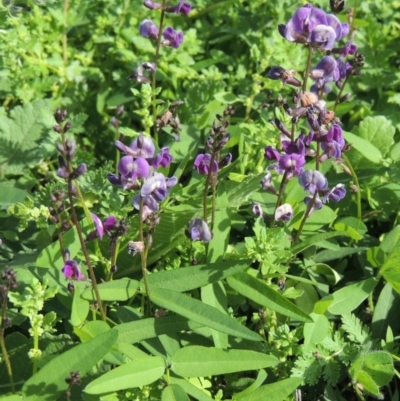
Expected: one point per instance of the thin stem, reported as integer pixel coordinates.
(214, 199)
(340, 94)
(3, 343)
(305, 217)
(280, 194)
(317, 161)
(307, 71)
(153, 81)
(64, 37)
(208, 181)
(143, 254)
(35, 347)
(84, 249)
(358, 193)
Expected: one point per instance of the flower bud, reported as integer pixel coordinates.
(80, 170)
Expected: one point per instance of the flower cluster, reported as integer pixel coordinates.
(137, 171)
(313, 26)
(71, 269)
(324, 140)
(172, 38)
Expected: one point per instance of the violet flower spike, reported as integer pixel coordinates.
(182, 7)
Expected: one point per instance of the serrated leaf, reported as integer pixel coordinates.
(257, 291)
(133, 374)
(197, 361)
(331, 371)
(49, 383)
(348, 298)
(277, 391)
(355, 329)
(197, 311)
(116, 290)
(19, 134)
(191, 277)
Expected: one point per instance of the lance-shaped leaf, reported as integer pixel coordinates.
(197, 361)
(116, 290)
(199, 312)
(264, 295)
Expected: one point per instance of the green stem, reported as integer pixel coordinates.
(358, 193)
(280, 194)
(3, 343)
(208, 181)
(308, 66)
(35, 347)
(84, 250)
(340, 94)
(64, 37)
(154, 81)
(305, 217)
(143, 255)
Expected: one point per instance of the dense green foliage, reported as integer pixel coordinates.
(304, 308)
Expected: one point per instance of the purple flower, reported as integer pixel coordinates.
(109, 223)
(72, 271)
(333, 142)
(312, 181)
(312, 25)
(266, 183)
(99, 226)
(151, 5)
(325, 71)
(293, 164)
(163, 159)
(182, 7)
(199, 230)
(148, 29)
(271, 153)
(202, 164)
(150, 206)
(284, 212)
(172, 37)
(297, 146)
(337, 193)
(257, 209)
(157, 186)
(143, 146)
(317, 203)
(131, 170)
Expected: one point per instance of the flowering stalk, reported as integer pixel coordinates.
(143, 256)
(308, 67)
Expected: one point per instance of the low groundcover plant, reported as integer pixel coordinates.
(197, 204)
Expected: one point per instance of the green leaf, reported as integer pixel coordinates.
(91, 330)
(143, 329)
(315, 239)
(317, 220)
(373, 370)
(354, 228)
(191, 389)
(278, 391)
(133, 374)
(257, 291)
(80, 307)
(315, 332)
(197, 311)
(196, 361)
(348, 298)
(226, 97)
(386, 312)
(391, 268)
(378, 131)
(19, 135)
(331, 275)
(189, 278)
(174, 392)
(330, 254)
(367, 149)
(116, 290)
(261, 376)
(49, 383)
(10, 195)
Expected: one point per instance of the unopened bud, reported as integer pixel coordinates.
(71, 288)
(114, 268)
(57, 128)
(344, 98)
(114, 122)
(80, 170)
